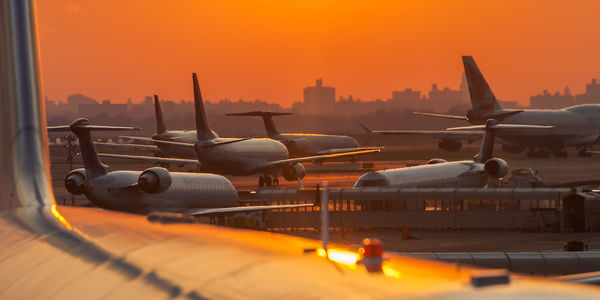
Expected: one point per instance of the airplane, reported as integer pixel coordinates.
(152, 190)
(457, 174)
(302, 144)
(575, 126)
(233, 156)
(53, 252)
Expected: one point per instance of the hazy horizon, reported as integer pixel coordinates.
(271, 50)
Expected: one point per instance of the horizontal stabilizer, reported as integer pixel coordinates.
(92, 127)
(259, 114)
(154, 160)
(441, 116)
(128, 146)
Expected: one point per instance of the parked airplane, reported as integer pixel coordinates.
(302, 144)
(440, 173)
(154, 189)
(234, 156)
(574, 126)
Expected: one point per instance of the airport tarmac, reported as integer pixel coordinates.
(343, 174)
(461, 240)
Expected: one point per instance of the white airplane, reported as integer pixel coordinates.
(457, 174)
(301, 144)
(234, 156)
(574, 126)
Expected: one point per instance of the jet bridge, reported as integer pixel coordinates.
(548, 209)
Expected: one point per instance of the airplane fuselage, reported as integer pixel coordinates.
(458, 174)
(303, 144)
(117, 191)
(573, 126)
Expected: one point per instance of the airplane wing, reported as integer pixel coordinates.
(129, 146)
(154, 160)
(192, 145)
(502, 126)
(343, 150)
(438, 134)
(317, 158)
(236, 209)
(441, 116)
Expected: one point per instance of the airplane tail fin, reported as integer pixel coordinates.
(160, 123)
(482, 97)
(267, 117)
(202, 128)
(82, 129)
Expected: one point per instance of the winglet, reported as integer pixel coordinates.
(367, 129)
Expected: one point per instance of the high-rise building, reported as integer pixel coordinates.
(552, 101)
(591, 95)
(318, 100)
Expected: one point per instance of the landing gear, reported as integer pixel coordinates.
(268, 181)
(583, 153)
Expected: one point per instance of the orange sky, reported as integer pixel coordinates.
(270, 50)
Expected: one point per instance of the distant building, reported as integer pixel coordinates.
(442, 100)
(405, 99)
(103, 108)
(591, 95)
(318, 100)
(552, 101)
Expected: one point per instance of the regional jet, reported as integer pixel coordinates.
(574, 126)
(439, 173)
(234, 156)
(302, 144)
(152, 190)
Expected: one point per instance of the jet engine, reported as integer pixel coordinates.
(436, 161)
(154, 180)
(74, 181)
(496, 168)
(449, 145)
(294, 172)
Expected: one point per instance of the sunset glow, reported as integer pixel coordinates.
(270, 50)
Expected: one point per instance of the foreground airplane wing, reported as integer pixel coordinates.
(439, 134)
(154, 160)
(237, 209)
(93, 127)
(318, 158)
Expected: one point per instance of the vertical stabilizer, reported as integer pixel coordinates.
(202, 128)
(160, 122)
(486, 149)
(267, 117)
(482, 97)
(91, 162)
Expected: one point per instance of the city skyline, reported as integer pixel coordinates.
(270, 50)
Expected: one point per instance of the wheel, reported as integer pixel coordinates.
(261, 181)
(268, 180)
(275, 181)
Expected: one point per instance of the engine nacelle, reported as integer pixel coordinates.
(74, 181)
(294, 172)
(496, 168)
(449, 145)
(154, 180)
(434, 161)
